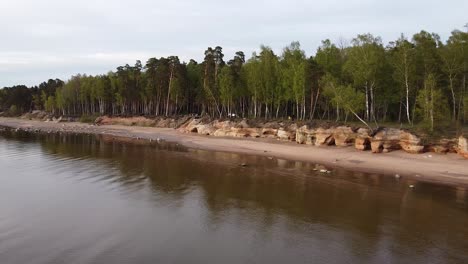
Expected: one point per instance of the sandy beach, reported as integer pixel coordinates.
(442, 168)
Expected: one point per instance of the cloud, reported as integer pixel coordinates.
(55, 38)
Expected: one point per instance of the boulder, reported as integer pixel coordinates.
(284, 134)
(246, 132)
(301, 135)
(292, 127)
(324, 137)
(99, 120)
(269, 132)
(463, 147)
(444, 146)
(205, 129)
(191, 126)
(242, 124)
(305, 135)
(58, 120)
(410, 142)
(344, 136)
(226, 125)
(274, 125)
(386, 140)
(221, 132)
(362, 141)
(165, 122)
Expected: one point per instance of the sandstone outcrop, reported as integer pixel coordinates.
(410, 142)
(288, 134)
(382, 140)
(269, 132)
(386, 140)
(305, 135)
(362, 141)
(324, 137)
(463, 146)
(444, 146)
(344, 136)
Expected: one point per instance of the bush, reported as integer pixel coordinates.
(88, 118)
(13, 111)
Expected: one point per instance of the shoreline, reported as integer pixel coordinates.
(450, 168)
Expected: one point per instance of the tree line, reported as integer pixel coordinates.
(410, 80)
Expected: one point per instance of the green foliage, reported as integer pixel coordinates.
(431, 105)
(329, 57)
(50, 104)
(343, 96)
(412, 81)
(88, 118)
(226, 85)
(14, 111)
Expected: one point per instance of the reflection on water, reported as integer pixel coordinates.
(96, 199)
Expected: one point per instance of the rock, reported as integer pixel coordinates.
(386, 140)
(191, 126)
(410, 143)
(319, 167)
(444, 146)
(196, 126)
(58, 120)
(305, 135)
(205, 129)
(226, 125)
(274, 125)
(165, 122)
(286, 134)
(389, 139)
(246, 132)
(269, 132)
(344, 136)
(242, 124)
(362, 143)
(221, 133)
(301, 135)
(292, 127)
(324, 137)
(462, 148)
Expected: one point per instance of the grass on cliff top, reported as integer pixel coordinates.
(88, 118)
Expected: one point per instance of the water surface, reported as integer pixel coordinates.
(89, 199)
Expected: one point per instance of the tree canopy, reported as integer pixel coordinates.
(417, 79)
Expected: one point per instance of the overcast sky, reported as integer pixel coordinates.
(42, 39)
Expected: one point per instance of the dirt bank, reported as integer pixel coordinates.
(444, 168)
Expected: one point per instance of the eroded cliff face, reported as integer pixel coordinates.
(463, 146)
(381, 141)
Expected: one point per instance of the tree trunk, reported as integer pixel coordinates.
(367, 102)
(407, 99)
(169, 91)
(454, 113)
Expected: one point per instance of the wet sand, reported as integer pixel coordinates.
(448, 169)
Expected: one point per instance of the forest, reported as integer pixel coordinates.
(412, 81)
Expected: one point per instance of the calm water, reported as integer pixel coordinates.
(85, 199)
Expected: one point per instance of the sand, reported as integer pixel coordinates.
(441, 168)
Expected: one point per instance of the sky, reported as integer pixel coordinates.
(47, 39)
